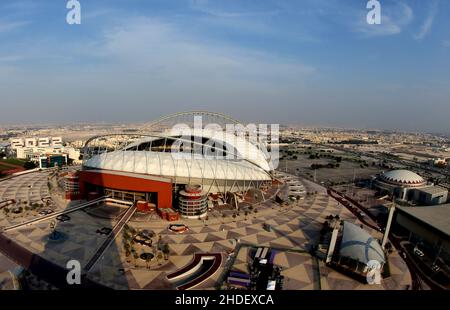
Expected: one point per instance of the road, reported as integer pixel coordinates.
(112, 235)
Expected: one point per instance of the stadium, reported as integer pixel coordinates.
(175, 172)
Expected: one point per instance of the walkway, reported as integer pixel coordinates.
(113, 234)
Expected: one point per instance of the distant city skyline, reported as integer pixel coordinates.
(138, 124)
(313, 63)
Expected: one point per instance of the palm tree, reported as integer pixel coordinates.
(135, 256)
(133, 231)
(159, 257)
(166, 251)
(126, 246)
(127, 253)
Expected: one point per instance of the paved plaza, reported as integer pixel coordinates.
(295, 227)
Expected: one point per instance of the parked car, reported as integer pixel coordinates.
(46, 212)
(63, 218)
(418, 252)
(435, 268)
(104, 231)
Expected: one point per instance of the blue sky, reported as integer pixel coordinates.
(310, 62)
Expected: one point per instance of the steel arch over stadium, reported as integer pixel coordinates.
(180, 117)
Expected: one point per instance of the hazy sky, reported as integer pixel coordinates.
(312, 62)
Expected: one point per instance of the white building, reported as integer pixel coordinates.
(56, 142)
(73, 154)
(37, 142)
(43, 142)
(15, 143)
(34, 153)
(35, 148)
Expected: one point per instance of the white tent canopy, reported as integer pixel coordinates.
(359, 245)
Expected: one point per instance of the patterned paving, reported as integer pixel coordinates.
(29, 187)
(294, 227)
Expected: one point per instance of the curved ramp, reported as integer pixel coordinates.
(201, 267)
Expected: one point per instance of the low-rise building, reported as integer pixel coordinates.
(429, 226)
(400, 183)
(45, 151)
(433, 195)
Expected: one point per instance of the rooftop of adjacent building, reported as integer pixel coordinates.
(433, 190)
(435, 216)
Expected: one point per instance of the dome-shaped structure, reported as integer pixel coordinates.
(403, 177)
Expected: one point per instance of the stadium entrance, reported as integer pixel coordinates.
(131, 196)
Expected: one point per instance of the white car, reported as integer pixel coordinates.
(418, 252)
(46, 212)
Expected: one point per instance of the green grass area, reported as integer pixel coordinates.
(13, 161)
